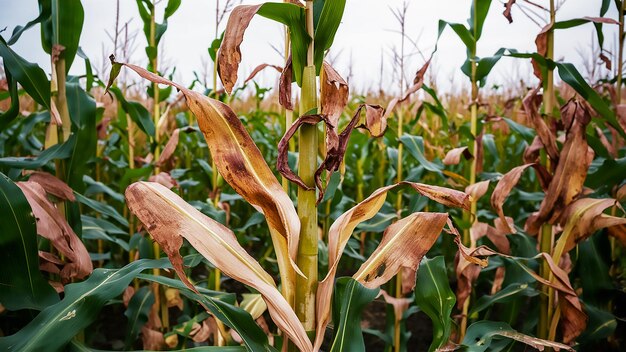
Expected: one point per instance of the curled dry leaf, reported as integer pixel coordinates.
(507, 10)
(260, 68)
(229, 55)
(418, 82)
(531, 341)
(531, 106)
(477, 190)
(571, 171)
(584, 217)
(127, 295)
(334, 93)
(169, 149)
(531, 154)
(453, 157)
(200, 333)
(51, 224)
(336, 144)
(341, 230)
(241, 164)
(172, 296)
(53, 185)
(284, 86)
(503, 189)
(169, 219)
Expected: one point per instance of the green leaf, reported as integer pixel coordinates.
(67, 24)
(415, 146)
(102, 208)
(349, 300)
(503, 296)
(291, 16)
(478, 14)
(609, 174)
(23, 286)
(57, 151)
(137, 112)
(11, 113)
(82, 108)
(570, 75)
(45, 11)
(137, 312)
(56, 325)
(434, 297)
(601, 324)
(326, 27)
(32, 78)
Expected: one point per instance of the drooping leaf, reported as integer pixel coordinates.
(333, 93)
(137, 112)
(83, 114)
(480, 336)
(415, 146)
(341, 231)
(229, 55)
(349, 301)
(453, 156)
(66, 20)
(23, 285)
(242, 165)
(169, 219)
(52, 225)
(30, 76)
(434, 297)
(571, 170)
(326, 25)
(503, 296)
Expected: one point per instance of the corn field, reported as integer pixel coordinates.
(141, 212)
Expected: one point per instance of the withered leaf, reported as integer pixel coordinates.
(229, 55)
(341, 230)
(531, 107)
(241, 164)
(333, 93)
(503, 189)
(51, 224)
(477, 190)
(53, 185)
(571, 171)
(453, 156)
(284, 86)
(260, 68)
(169, 219)
(507, 10)
(584, 217)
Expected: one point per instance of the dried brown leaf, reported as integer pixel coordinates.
(229, 55)
(53, 185)
(477, 190)
(342, 229)
(571, 171)
(165, 179)
(507, 10)
(333, 93)
(169, 219)
(152, 340)
(242, 165)
(531, 106)
(284, 86)
(453, 157)
(51, 224)
(260, 68)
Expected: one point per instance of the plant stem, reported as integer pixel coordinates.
(307, 212)
(470, 216)
(620, 54)
(546, 239)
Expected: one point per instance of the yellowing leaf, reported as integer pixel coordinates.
(169, 219)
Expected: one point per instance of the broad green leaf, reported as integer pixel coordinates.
(23, 286)
(76, 346)
(14, 109)
(82, 108)
(503, 296)
(30, 76)
(601, 324)
(137, 112)
(434, 297)
(102, 208)
(570, 75)
(44, 13)
(58, 151)
(482, 334)
(415, 146)
(326, 27)
(67, 24)
(478, 14)
(56, 325)
(137, 312)
(349, 301)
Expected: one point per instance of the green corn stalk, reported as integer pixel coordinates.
(307, 210)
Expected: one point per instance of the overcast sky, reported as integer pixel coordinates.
(368, 29)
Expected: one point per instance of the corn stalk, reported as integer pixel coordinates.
(546, 239)
(307, 210)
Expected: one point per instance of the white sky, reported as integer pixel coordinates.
(366, 31)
